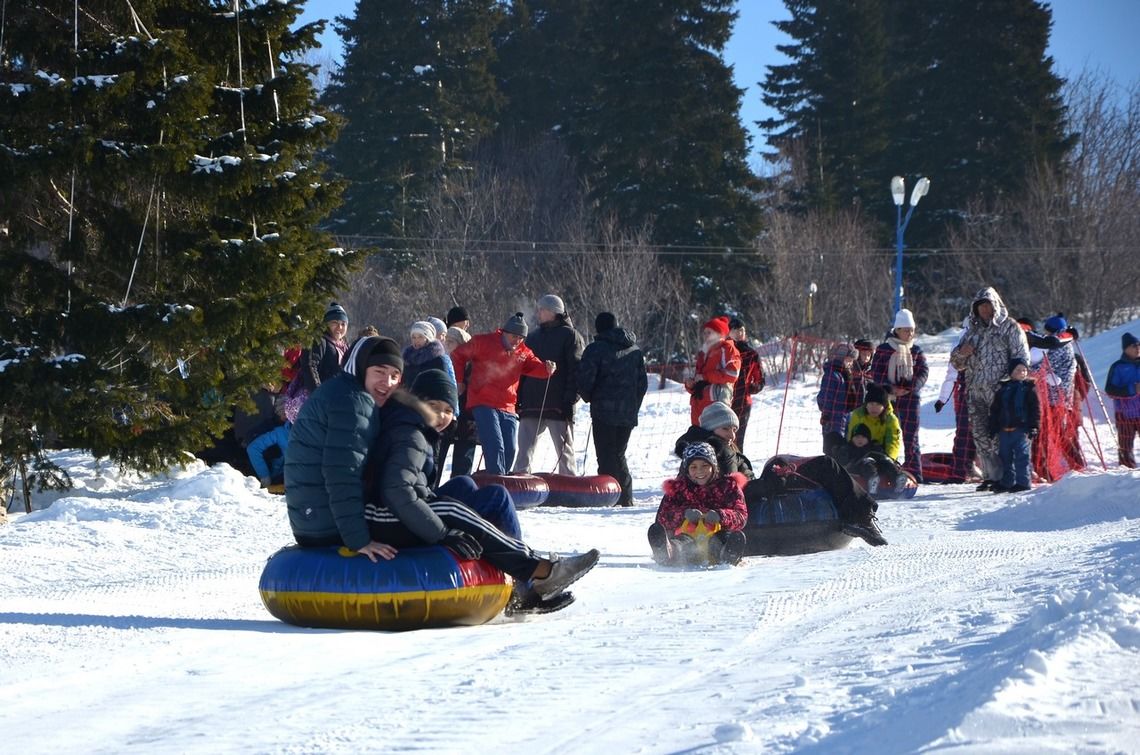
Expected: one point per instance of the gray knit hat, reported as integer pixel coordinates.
(717, 415)
(516, 324)
(552, 303)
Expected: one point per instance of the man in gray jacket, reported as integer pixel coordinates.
(991, 340)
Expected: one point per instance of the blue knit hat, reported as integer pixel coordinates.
(335, 312)
(1056, 323)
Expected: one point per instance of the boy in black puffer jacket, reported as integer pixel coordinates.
(404, 511)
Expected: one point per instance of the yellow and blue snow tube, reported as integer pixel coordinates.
(421, 587)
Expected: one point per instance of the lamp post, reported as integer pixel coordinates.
(898, 192)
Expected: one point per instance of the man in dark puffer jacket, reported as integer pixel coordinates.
(548, 404)
(611, 378)
(329, 444)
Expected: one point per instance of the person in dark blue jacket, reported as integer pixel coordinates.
(402, 509)
(611, 378)
(1015, 418)
(329, 444)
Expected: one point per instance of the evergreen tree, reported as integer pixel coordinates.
(639, 92)
(546, 67)
(662, 140)
(967, 96)
(160, 197)
(831, 99)
(417, 94)
(980, 105)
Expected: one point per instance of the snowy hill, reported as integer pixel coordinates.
(989, 624)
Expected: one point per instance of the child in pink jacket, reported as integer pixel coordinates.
(700, 500)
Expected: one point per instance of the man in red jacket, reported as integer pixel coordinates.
(497, 361)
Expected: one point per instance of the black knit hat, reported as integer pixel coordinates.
(879, 394)
(604, 321)
(1127, 340)
(385, 353)
(456, 314)
(516, 324)
(864, 344)
(861, 429)
(435, 385)
(735, 323)
(1015, 362)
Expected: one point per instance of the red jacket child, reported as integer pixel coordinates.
(717, 368)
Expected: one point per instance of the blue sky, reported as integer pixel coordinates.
(1098, 34)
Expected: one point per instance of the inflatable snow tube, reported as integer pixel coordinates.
(527, 490)
(939, 467)
(333, 588)
(803, 521)
(573, 491)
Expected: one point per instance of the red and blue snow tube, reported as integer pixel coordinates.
(335, 588)
(527, 490)
(579, 492)
(793, 523)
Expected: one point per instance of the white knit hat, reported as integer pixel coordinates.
(424, 328)
(903, 319)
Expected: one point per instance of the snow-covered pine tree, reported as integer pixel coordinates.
(416, 94)
(159, 205)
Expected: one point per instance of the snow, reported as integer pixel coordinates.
(996, 624)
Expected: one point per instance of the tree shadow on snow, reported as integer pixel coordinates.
(151, 622)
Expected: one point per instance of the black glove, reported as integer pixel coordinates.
(463, 543)
(712, 517)
(1032, 434)
(1071, 330)
(938, 406)
(699, 387)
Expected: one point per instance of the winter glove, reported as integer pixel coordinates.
(692, 516)
(698, 388)
(938, 406)
(712, 517)
(463, 543)
(1032, 434)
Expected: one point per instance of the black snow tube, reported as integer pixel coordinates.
(790, 524)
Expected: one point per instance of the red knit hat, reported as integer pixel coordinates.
(719, 324)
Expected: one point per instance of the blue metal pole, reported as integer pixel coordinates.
(899, 257)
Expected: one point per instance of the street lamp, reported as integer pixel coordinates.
(898, 192)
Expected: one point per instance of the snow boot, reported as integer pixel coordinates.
(727, 548)
(659, 544)
(867, 529)
(565, 571)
